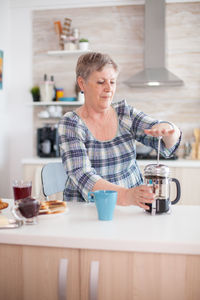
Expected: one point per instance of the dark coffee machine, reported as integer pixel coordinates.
(47, 141)
(157, 176)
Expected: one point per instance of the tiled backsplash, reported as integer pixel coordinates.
(119, 31)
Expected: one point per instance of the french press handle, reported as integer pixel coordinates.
(178, 191)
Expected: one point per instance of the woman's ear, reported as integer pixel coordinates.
(80, 82)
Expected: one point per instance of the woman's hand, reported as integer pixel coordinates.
(159, 132)
(138, 196)
(169, 135)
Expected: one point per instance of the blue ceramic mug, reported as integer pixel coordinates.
(105, 202)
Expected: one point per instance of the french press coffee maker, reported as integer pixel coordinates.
(157, 176)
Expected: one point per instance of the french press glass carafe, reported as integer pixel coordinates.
(157, 176)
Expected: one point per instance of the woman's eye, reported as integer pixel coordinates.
(102, 82)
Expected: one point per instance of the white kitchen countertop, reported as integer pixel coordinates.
(171, 163)
(130, 230)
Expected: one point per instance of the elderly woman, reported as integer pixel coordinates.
(97, 141)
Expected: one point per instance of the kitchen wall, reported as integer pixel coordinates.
(15, 116)
(4, 126)
(16, 123)
(118, 30)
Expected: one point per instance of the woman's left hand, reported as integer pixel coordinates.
(159, 132)
(163, 129)
(169, 135)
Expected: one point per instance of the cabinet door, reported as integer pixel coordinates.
(115, 276)
(41, 272)
(133, 276)
(11, 278)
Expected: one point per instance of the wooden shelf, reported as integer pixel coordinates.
(65, 52)
(54, 103)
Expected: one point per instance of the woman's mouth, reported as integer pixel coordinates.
(106, 97)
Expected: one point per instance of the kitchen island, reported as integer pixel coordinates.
(135, 256)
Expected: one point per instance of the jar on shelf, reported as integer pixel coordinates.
(69, 43)
(59, 93)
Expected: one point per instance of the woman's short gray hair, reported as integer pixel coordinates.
(93, 61)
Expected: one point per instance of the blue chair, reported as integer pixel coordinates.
(53, 179)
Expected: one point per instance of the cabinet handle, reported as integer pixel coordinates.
(62, 279)
(94, 278)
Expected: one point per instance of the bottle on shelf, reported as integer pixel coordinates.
(46, 90)
(54, 88)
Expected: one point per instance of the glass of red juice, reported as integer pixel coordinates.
(21, 189)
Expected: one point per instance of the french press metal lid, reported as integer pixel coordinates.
(156, 170)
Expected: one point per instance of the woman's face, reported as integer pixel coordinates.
(100, 87)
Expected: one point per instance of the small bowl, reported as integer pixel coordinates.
(68, 99)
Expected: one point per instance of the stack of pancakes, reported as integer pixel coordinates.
(52, 207)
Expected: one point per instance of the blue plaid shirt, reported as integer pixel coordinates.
(86, 160)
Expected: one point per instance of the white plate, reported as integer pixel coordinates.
(12, 223)
(52, 216)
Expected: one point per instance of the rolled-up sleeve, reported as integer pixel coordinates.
(138, 121)
(74, 156)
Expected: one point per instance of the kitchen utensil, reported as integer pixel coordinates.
(66, 30)
(196, 145)
(187, 149)
(157, 176)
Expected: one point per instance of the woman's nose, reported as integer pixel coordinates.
(108, 86)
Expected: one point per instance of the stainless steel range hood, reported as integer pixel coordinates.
(155, 72)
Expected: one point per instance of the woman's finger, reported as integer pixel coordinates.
(146, 207)
(161, 132)
(167, 132)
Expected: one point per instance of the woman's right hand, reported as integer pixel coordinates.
(138, 196)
